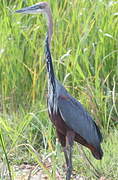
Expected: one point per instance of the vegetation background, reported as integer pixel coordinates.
(85, 57)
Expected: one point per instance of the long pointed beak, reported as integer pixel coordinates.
(31, 9)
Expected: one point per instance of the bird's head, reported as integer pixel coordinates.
(41, 7)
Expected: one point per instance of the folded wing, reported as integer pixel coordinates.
(78, 119)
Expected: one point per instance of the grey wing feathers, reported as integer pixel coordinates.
(79, 120)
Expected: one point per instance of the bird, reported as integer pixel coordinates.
(71, 120)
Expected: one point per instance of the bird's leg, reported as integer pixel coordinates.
(69, 167)
(66, 156)
(68, 153)
(62, 140)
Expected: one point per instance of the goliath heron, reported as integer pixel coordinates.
(71, 120)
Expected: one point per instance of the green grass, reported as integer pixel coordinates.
(85, 55)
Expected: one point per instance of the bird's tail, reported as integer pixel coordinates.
(97, 153)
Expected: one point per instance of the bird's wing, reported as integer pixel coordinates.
(78, 119)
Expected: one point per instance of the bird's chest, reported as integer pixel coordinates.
(53, 109)
(52, 98)
(57, 121)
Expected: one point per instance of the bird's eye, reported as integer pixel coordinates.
(41, 6)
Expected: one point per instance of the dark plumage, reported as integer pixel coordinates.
(68, 114)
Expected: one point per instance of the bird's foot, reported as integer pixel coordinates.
(69, 172)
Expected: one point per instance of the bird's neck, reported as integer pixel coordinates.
(50, 25)
(50, 70)
(51, 75)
